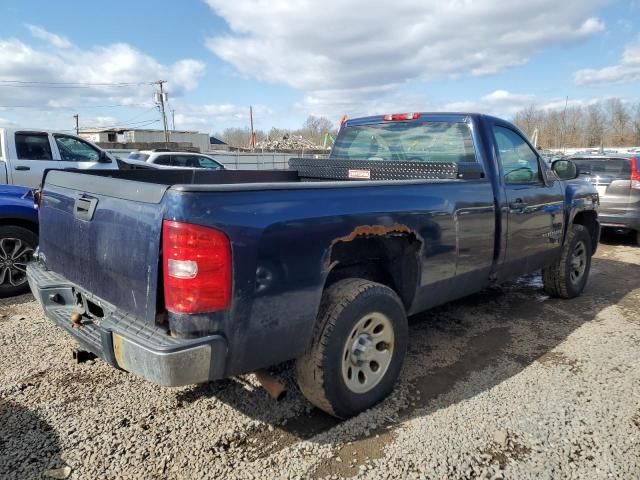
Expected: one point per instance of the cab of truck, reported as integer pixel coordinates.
(25, 154)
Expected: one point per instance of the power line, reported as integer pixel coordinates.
(21, 83)
(75, 107)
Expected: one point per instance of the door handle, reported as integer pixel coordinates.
(517, 204)
(84, 208)
(22, 168)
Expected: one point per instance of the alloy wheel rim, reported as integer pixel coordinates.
(367, 353)
(14, 256)
(578, 262)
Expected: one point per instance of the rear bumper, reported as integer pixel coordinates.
(126, 342)
(629, 220)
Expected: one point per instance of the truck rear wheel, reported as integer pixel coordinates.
(567, 277)
(357, 350)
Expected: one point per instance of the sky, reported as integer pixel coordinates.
(294, 58)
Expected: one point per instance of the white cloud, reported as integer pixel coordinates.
(499, 102)
(52, 38)
(628, 70)
(505, 104)
(103, 64)
(60, 61)
(210, 117)
(343, 52)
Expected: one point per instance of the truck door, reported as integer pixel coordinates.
(535, 219)
(33, 155)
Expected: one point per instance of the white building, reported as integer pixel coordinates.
(122, 135)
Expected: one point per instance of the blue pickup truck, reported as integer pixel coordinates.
(18, 238)
(184, 277)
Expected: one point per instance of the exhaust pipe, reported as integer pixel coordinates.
(274, 387)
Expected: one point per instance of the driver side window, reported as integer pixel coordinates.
(519, 161)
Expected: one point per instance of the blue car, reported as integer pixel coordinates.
(18, 238)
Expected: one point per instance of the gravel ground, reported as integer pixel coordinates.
(504, 384)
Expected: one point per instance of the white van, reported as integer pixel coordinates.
(25, 154)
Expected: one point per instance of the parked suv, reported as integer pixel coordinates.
(164, 158)
(616, 176)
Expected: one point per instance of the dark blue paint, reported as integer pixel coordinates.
(114, 256)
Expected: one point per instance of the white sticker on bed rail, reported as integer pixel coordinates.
(360, 174)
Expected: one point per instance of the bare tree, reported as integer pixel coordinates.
(315, 128)
(239, 137)
(573, 126)
(617, 120)
(528, 119)
(594, 126)
(613, 123)
(635, 125)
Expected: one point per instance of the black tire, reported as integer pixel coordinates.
(344, 306)
(637, 236)
(31, 240)
(558, 279)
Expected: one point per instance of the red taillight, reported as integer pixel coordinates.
(635, 173)
(196, 268)
(392, 117)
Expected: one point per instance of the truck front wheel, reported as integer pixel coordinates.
(357, 350)
(567, 277)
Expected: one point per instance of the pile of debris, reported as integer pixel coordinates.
(287, 142)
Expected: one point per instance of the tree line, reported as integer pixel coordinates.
(313, 130)
(611, 123)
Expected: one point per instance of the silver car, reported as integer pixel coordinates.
(616, 176)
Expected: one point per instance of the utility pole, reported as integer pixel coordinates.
(173, 119)
(77, 128)
(252, 140)
(164, 116)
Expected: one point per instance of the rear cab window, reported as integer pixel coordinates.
(414, 141)
(33, 146)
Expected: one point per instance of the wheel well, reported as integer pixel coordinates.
(589, 220)
(392, 259)
(20, 222)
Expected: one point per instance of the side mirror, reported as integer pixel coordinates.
(103, 157)
(565, 169)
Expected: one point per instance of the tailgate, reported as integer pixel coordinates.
(103, 234)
